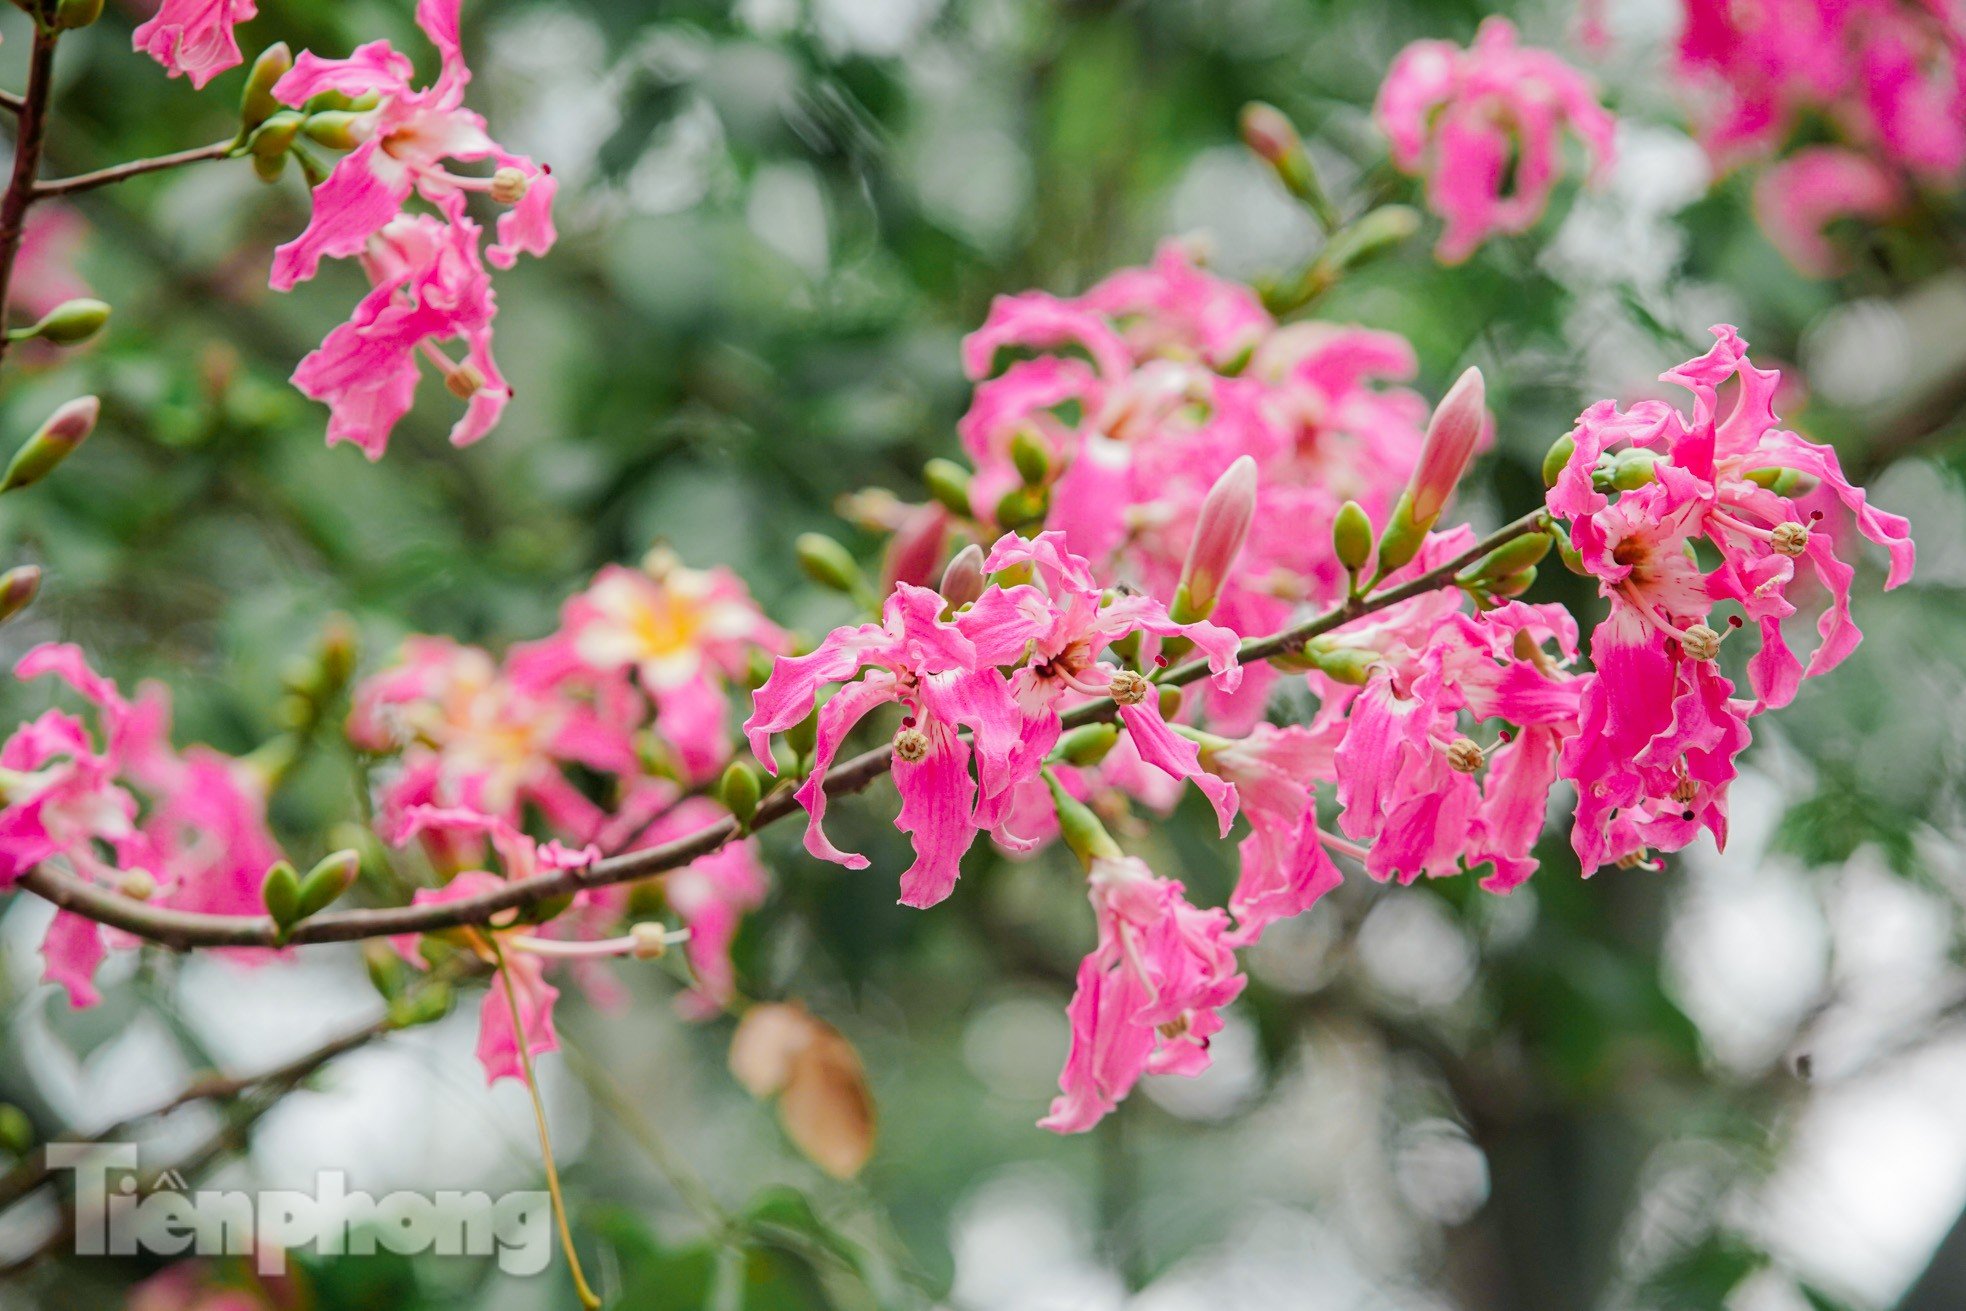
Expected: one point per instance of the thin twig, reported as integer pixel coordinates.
(184, 930)
(115, 173)
(28, 140)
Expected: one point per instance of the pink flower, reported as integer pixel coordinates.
(521, 982)
(1887, 76)
(1800, 197)
(186, 830)
(947, 679)
(402, 145)
(1148, 996)
(1484, 126)
(1286, 867)
(686, 636)
(428, 286)
(1069, 620)
(1659, 727)
(468, 735)
(194, 37)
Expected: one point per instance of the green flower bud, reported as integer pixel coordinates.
(1273, 138)
(1086, 745)
(279, 892)
(337, 129)
(1080, 828)
(740, 790)
(1509, 559)
(57, 439)
(1351, 536)
(1557, 457)
(1031, 456)
(71, 14)
(829, 564)
(1342, 664)
(425, 1005)
(276, 135)
(948, 482)
(1513, 585)
(68, 324)
(1021, 508)
(1784, 482)
(1402, 538)
(388, 971)
(1572, 560)
(325, 882)
(257, 104)
(270, 168)
(804, 735)
(1377, 233)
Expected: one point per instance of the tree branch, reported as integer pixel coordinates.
(184, 930)
(115, 173)
(28, 140)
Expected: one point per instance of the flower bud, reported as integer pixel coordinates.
(388, 971)
(1170, 703)
(1512, 585)
(1377, 233)
(1557, 458)
(1628, 471)
(276, 135)
(18, 587)
(1783, 481)
(328, 879)
(1508, 559)
(1573, 559)
(257, 104)
(424, 1005)
(1350, 665)
(1221, 528)
(1351, 536)
(1080, 828)
(1022, 508)
(269, 168)
(740, 791)
(827, 563)
(1272, 137)
(68, 324)
(279, 892)
(1403, 536)
(337, 129)
(962, 581)
(71, 14)
(948, 482)
(509, 185)
(1451, 436)
(1086, 745)
(65, 430)
(1031, 455)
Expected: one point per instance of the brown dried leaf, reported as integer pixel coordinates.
(826, 1107)
(767, 1039)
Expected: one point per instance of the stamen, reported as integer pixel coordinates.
(138, 885)
(1464, 755)
(1700, 642)
(911, 745)
(1128, 688)
(1340, 847)
(509, 186)
(464, 381)
(1790, 539)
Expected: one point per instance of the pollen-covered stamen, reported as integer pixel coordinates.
(138, 885)
(1175, 1029)
(509, 185)
(1700, 642)
(1685, 791)
(1464, 755)
(911, 745)
(464, 381)
(1128, 688)
(1790, 539)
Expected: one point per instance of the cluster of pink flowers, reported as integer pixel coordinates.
(1441, 730)
(1887, 77)
(125, 810)
(1144, 391)
(427, 268)
(1660, 726)
(1484, 126)
(632, 692)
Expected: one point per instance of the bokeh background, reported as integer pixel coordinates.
(1738, 1083)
